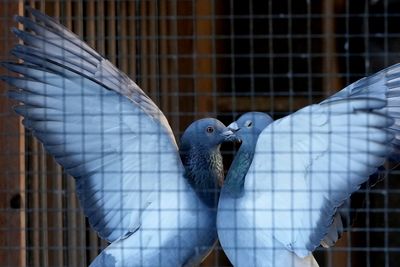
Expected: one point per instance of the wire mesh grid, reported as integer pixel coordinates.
(198, 59)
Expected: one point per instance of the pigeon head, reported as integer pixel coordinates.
(206, 134)
(247, 129)
(249, 126)
(200, 153)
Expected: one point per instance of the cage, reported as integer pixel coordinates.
(196, 59)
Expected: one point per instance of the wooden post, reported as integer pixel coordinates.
(12, 180)
(203, 62)
(331, 81)
(331, 84)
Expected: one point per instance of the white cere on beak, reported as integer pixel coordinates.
(233, 126)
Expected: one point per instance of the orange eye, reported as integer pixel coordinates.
(210, 129)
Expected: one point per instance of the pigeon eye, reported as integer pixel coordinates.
(210, 129)
(249, 124)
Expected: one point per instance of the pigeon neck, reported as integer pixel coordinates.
(234, 181)
(204, 171)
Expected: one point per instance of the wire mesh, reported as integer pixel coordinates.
(200, 59)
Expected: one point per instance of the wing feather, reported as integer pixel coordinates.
(97, 123)
(50, 42)
(307, 164)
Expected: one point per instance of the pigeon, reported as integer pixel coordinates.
(289, 178)
(153, 202)
(251, 125)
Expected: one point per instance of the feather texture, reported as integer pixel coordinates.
(116, 143)
(305, 166)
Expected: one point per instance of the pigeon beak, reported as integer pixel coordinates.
(228, 135)
(233, 127)
(230, 131)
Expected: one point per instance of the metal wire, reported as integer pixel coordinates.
(197, 59)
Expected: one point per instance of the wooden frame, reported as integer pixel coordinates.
(12, 164)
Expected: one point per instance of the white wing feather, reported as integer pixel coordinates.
(98, 124)
(115, 151)
(307, 164)
(50, 40)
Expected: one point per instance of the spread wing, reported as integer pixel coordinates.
(47, 40)
(307, 164)
(96, 122)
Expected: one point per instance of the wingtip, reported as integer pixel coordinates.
(16, 31)
(22, 53)
(8, 65)
(38, 15)
(22, 20)
(27, 123)
(16, 18)
(31, 10)
(12, 94)
(18, 51)
(17, 109)
(2, 64)
(20, 109)
(10, 80)
(19, 47)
